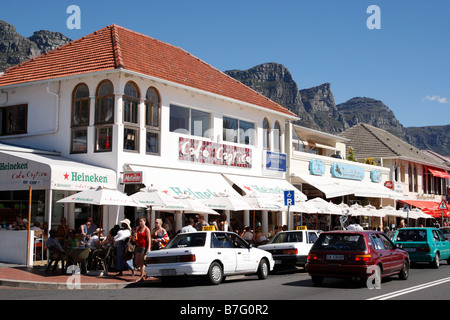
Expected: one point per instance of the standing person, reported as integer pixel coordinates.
(121, 239)
(160, 237)
(189, 227)
(142, 246)
(201, 222)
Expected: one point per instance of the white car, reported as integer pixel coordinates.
(291, 248)
(214, 254)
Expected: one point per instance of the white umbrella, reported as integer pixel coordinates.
(157, 200)
(224, 201)
(325, 206)
(192, 205)
(258, 202)
(373, 212)
(102, 196)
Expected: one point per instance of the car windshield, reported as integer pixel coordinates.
(191, 239)
(340, 242)
(411, 235)
(287, 237)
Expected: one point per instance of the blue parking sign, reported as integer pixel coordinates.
(289, 198)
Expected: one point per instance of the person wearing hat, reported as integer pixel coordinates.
(121, 239)
(94, 240)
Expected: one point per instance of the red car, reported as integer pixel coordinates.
(356, 254)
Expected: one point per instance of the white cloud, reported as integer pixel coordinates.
(436, 98)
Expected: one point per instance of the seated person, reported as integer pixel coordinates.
(56, 251)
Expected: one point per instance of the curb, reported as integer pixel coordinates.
(60, 286)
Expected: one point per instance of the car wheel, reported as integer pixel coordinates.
(263, 269)
(317, 280)
(435, 263)
(404, 273)
(215, 273)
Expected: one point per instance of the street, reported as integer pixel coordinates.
(424, 283)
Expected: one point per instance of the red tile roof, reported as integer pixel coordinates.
(115, 47)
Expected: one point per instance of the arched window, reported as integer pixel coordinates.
(131, 117)
(266, 134)
(104, 116)
(277, 137)
(152, 120)
(80, 118)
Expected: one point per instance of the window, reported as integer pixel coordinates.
(104, 103)
(189, 121)
(277, 137)
(131, 117)
(104, 116)
(13, 120)
(80, 118)
(266, 134)
(152, 120)
(238, 131)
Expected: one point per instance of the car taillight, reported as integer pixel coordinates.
(363, 257)
(424, 249)
(312, 257)
(290, 251)
(187, 258)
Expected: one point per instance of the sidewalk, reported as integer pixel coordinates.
(16, 276)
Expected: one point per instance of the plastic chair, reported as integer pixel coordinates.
(101, 257)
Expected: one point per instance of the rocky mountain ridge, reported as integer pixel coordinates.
(317, 109)
(15, 48)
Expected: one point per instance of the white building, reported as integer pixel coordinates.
(118, 101)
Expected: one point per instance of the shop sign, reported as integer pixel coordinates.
(317, 167)
(276, 161)
(132, 177)
(389, 184)
(208, 152)
(375, 175)
(345, 171)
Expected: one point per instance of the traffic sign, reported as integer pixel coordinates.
(289, 198)
(443, 206)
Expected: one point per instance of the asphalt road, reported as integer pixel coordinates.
(424, 283)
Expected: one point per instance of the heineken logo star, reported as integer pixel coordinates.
(66, 176)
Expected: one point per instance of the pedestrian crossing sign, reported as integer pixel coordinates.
(443, 206)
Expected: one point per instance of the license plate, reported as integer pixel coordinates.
(335, 257)
(168, 272)
(410, 249)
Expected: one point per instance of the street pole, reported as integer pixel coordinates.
(29, 223)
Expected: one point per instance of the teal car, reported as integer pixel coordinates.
(424, 245)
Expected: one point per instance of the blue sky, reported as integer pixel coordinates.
(405, 64)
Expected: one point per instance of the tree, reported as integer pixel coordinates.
(351, 155)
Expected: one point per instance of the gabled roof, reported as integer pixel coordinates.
(369, 141)
(115, 47)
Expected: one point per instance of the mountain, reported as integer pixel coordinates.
(317, 109)
(14, 48)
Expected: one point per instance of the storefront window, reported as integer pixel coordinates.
(266, 134)
(80, 118)
(103, 138)
(277, 137)
(189, 121)
(235, 130)
(13, 120)
(152, 114)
